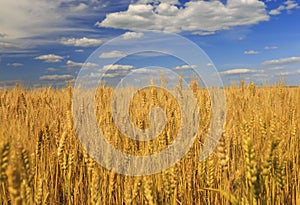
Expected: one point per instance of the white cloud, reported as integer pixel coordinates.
(291, 4)
(50, 58)
(8, 46)
(251, 52)
(89, 64)
(204, 33)
(3, 35)
(287, 5)
(271, 47)
(27, 18)
(237, 71)
(150, 54)
(72, 64)
(118, 67)
(15, 64)
(80, 7)
(185, 67)
(113, 54)
(202, 17)
(112, 75)
(95, 75)
(56, 77)
(157, 1)
(76, 65)
(277, 11)
(132, 35)
(79, 51)
(276, 68)
(51, 69)
(260, 75)
(286, 73)
(111, 71)
(241, 38)
(31, 18)
(145, 71)
(281, 61)
(105, 75)
(81, 42)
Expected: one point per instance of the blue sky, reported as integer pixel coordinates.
(46, 42)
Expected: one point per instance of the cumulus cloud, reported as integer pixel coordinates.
(76, 65)
(185, 67)
(237, 71)
(287, 5)
(81, 42)
(50, 58)
(251, 52)
(203, 33)
(112, 75)
(150, 54)
(56, 77)
(271, 47)
(80, 7)
(144, 70)
(132, 35)
(30, 18)
(3, 35)
(115, 67)
(277, 11)
(111, 71)
(72, 64)
(157, 1)
(79, 51)
(113, 54)
(291, 4)
(12, 20)
(51, 69)
(276, 68)
(106, 75)
(281, 61)
(95, 75)
(199, 17)
(15, 64)
(286, 73)
(8, 46)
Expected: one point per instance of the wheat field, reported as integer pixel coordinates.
(256, 161)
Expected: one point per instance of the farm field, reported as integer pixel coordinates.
(256, 161)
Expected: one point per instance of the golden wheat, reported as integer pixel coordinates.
(256, 161)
